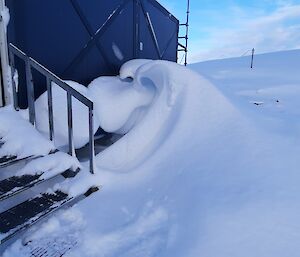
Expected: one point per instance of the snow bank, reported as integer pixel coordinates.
(19, 137)
(158, 81)
(60, 113)
(228, 188)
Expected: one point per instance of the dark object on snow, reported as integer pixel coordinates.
(5, 160)
(252, 58)
(84, 39)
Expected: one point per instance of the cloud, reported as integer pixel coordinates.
(247, 29)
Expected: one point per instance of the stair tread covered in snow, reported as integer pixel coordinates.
(29, 210)
(10, 160)
(17, 184)
(26, 214)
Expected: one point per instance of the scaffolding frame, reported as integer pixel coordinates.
(184, 47)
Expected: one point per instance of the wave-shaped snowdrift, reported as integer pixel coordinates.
(141, 104)
(151, 122)
(214, 175)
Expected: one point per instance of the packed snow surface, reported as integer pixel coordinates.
(19, 137)
(211, 167)
(50, 165)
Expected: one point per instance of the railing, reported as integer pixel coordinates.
(31, 64)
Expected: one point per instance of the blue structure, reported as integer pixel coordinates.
(84, 39)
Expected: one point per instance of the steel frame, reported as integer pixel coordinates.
(152, 30)
(184, 47)
(95, 36)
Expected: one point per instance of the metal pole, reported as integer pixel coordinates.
(187, 31)
(91, 139)
(14, 86)
(70, 124)
(30, 91)
(253, 50)
(136, 40)
(50, 109)
(7, 80)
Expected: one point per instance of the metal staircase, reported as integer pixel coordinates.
(27, 199)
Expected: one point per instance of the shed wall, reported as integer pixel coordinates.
(84, 39)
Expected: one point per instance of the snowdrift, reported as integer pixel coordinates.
(193, 175)
(60, 116)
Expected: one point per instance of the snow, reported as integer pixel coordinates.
(5, 17)
(203, 171)
(50, 165)
(119, 103)
(19, 137)
(60, 113)
(48, 236)
(137, 145)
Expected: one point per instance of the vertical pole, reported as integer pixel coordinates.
(91, 139)
(14, 86)
(30, 91)
(136, 40)
(253, 50)
(50, 109)
(187, 32)
(70, 124)
(7, 79)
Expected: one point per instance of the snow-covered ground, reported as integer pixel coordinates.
(210, 168)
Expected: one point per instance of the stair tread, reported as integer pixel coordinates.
(5, 159)
(29, 210)
(10, 160)
(19, 218)
(14, 182)
(17, 184)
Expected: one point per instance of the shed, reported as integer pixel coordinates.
(83, 39)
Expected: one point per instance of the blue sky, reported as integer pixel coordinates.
(229, 28)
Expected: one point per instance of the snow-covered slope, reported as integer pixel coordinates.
(221, 178)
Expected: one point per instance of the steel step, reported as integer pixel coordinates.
(17, 184)
(16, 220)
(10, 160)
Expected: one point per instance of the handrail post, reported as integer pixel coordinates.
(30, 91)
(50, 109)
(91, 138)
(70, 124)
(13, 82)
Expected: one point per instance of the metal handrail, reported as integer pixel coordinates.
(30, 64)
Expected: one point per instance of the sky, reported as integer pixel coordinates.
(231, 28)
